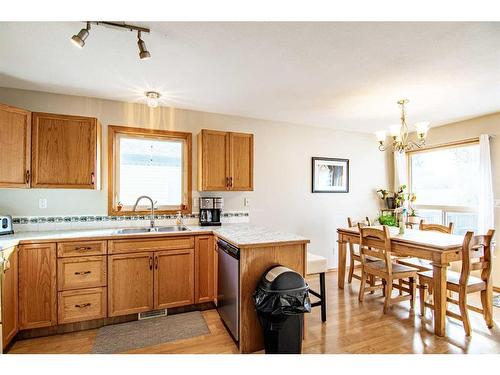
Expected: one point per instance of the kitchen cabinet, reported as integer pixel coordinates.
(15, 147)
(37, 286)
(174, 278)
(81, 305)
(204, 269)
(225, 161)
(10, 304)
(130, 283)
(65, 151)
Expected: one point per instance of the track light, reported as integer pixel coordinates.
(143, 51)
(79, 39)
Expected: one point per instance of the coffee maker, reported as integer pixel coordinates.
(211, 210)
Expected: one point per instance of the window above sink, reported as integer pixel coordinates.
(149, 162)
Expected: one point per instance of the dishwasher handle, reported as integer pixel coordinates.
(229, 249)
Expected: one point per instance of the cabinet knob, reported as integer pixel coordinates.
(83, 272)
(83, 248)
(150, 263)
(230, 182)
(92, 178)
(81, 306)
(27, 176)
(156, 262)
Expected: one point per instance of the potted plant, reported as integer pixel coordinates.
(388, 198)
(413, 218)
(389, 220)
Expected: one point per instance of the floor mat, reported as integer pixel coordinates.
(119, 338)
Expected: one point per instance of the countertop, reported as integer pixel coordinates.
(240, 235)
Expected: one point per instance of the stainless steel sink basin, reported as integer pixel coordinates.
(171, 228)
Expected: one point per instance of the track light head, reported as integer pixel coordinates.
(143, 51)
(79, 39)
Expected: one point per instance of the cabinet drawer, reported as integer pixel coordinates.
(150, 244)
(83, 272)
(82, 248)
(80, 305)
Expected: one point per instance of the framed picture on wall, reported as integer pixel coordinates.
(330, 175)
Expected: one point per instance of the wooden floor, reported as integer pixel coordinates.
(351, 328)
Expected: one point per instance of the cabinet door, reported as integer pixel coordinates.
(174, 278)
(130, 283)
(204, 269)
(241, 161)
(64, 151)
(213, 160)
(15, 147)
(37, 286)
(10, 302)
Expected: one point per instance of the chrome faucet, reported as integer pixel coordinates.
(152, 216)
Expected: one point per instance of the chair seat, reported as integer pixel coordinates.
(421, 264)
(396, 268)
(316, 264)
(453, 277)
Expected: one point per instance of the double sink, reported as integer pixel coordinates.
(170, 228)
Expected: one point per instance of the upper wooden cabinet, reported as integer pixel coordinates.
(65, 151)
(15, 147)
(225, 161)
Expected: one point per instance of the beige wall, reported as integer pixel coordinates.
(282, 198)
(470, 129)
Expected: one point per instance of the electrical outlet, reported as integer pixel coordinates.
(497, 202)
(42, 203)
(246, 202)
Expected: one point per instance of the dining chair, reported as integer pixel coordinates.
(476, 256)
(376, 243)
(354, 254)
(423, 264)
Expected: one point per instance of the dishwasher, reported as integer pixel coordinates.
(228, 294)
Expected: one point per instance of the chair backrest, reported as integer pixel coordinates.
(376, 243)
(436, 227)
(476, 255)
(352, 224)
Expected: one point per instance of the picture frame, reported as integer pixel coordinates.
(330, 175)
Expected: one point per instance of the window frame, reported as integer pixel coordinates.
(114, 133)
(443, 208)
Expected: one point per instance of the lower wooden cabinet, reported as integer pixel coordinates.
(81, 272)
(81, 305)
(37, 286)
(130, 283)
(10, 303)
(204, 269)
(174, 278)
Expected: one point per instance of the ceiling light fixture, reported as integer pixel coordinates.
(143, 51)
(152, 98)
(400, 136)
(79, 39)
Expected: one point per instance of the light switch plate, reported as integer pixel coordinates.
(42, 203)
(497, 202)
(246, 202)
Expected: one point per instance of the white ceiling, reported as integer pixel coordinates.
(333, 74)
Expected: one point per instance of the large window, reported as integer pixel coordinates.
(444, 180)
(149, 162)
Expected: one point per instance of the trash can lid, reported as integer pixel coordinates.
(283, 278)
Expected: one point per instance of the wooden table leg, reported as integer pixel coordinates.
(440, 303)
(342, 259)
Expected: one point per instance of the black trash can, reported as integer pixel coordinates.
(281, 299)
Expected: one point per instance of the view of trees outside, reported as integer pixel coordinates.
(150, 167)
(446, 178)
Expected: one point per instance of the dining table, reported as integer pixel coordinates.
(439, 248)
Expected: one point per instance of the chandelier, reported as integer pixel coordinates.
(401, 141)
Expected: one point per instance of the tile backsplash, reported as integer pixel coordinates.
(46, 223)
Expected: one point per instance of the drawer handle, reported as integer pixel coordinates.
(83, 248)
(83, 272)
(81, 306)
